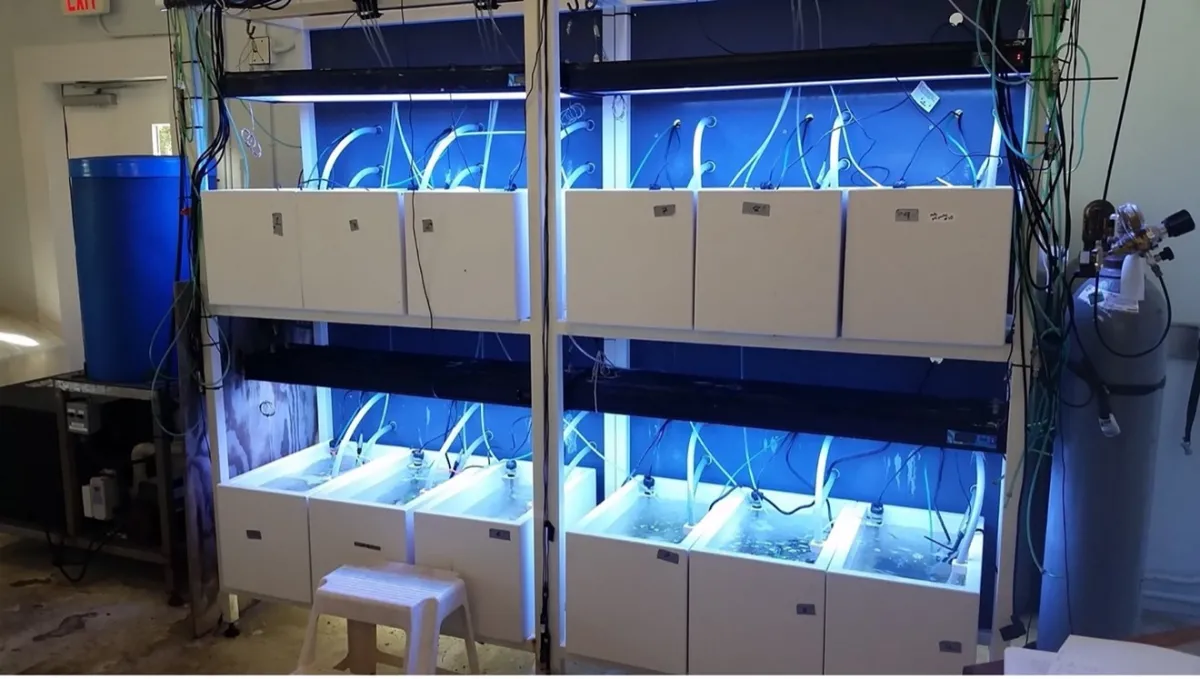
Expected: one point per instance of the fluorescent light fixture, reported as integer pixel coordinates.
(425, 96)
(809, 83)
(17, 339)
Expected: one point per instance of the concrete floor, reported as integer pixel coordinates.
(117, 621)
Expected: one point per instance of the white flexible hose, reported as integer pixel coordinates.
(697, 141)
(391, 146)
(841, 122)
(341, 146)
(829, 179)
(363, 174)
(800, 141)
(479, 441)
(440, 148)
(695, 183)
(819, 489)
(578, 172)
(964, 546)
(412, 162)
(691, 474)
(748, 168)
(587, 125)
(458, 427)
(349, 434)
(463, 174)
(370, 444)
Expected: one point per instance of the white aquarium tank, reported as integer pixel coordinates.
(897, 602)
(263, 522)
(482, 529)
(627, 573)
(365, 517)
(757, 585)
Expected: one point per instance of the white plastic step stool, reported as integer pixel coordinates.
(412, 598)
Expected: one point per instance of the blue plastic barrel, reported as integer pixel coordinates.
(126, 212)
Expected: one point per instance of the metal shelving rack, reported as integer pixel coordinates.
(544, 76)
(75, 386)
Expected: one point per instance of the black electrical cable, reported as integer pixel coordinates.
(1137, 41)
(1166, 326)
(937, 488)
(899, 468)
(1193, 402)
(934, 126)
(654, 442)
(858, 456)
(672, 136)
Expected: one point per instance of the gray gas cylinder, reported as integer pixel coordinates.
(1102, 469)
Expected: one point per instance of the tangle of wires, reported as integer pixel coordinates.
(1043, 305)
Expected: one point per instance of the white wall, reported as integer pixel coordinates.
(40, 22)
(24, 273)
(1157, 158)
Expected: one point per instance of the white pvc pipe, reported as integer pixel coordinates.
(440, 148)
(819, 488)
(458, 427)
(363, 174)
(341, 146)
(964, 547)
(578, 172)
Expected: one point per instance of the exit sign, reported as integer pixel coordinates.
(77, 8)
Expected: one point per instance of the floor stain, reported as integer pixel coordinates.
(29, 582)
(69, 625)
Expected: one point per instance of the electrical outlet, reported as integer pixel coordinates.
(259, 51)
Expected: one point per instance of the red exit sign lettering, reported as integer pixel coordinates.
(85, 7)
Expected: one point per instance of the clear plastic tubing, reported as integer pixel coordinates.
(458, 427)
(340, 446)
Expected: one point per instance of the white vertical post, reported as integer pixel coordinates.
(616, 427)
(615, 37)
(543, 129)
(324, 394)
(1012, 489)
